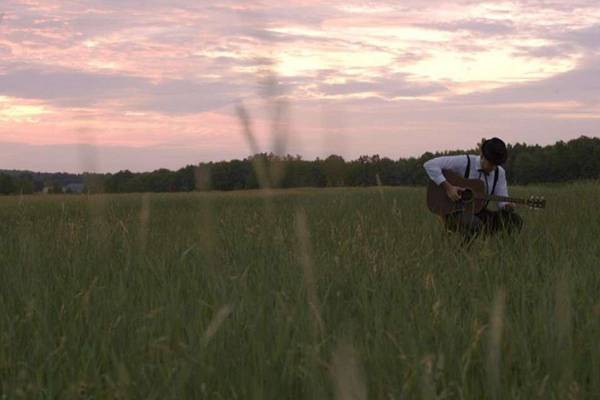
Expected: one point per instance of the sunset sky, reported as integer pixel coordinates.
(107, 85)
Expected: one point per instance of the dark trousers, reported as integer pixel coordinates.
(485, 222)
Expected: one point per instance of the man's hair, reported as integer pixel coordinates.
(494, 150)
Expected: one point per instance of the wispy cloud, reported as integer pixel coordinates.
(166, 73)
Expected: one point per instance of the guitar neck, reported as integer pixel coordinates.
(504, 199)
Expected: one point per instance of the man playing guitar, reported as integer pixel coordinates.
(487, 168)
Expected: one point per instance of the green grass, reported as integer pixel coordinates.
(298, 294)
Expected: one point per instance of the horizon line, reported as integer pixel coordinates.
(247, 157)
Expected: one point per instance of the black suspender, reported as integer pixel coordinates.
(468, 173)
(493, 186)
(468, 170)
(496, 173)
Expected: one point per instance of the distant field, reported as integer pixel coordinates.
(300, 294)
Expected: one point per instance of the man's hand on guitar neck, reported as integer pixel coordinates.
(452, 191)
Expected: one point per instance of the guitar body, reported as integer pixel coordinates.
(439, 203)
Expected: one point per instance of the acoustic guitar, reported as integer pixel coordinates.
(473, 197)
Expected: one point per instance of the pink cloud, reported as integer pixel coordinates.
(403, 79)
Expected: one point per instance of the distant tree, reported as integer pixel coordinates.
(7, 184)
(161, 180)
(232, 175)
(54, 187)
(94, 183)
(563, 161)
(185, 179)
(119, 182)
(38, 185)
(335, 170)
(24, 184)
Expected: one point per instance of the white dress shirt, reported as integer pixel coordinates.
(458, 164)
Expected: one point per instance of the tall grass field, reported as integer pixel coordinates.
(296, 294)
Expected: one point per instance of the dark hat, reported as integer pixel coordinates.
(494, 150)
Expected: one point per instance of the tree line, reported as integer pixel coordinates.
(560, 162)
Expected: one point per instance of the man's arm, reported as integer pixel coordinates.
(434, 169)
(435, 166)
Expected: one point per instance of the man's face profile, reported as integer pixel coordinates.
(487, 165)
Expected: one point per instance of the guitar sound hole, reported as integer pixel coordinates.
(466, 195)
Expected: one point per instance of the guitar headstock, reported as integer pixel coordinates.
(536, 202)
